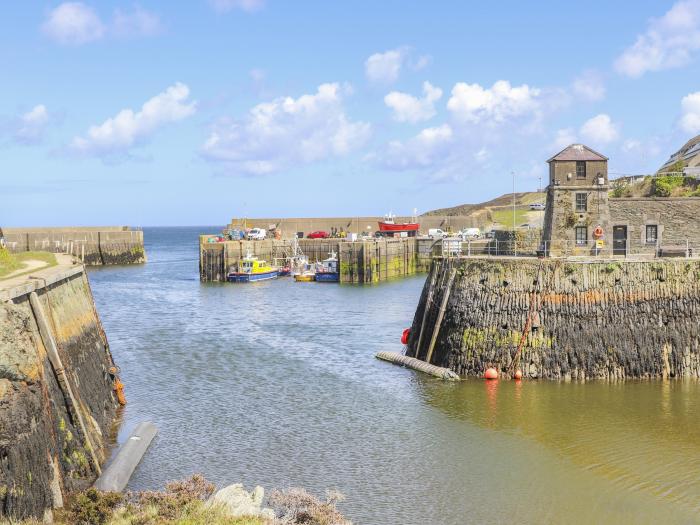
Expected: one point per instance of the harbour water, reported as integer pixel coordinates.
(275, 383)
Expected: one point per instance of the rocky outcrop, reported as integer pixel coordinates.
(239, 502)
(581, 320)
(44, 452)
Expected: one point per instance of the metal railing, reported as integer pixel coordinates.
(686, 248)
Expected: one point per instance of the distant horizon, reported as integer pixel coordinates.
(184, 113)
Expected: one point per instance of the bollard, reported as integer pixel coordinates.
(116, 476)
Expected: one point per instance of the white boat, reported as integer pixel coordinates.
(327, 270)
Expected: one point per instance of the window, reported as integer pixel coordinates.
(652, 233)
(580, 169)
(581, 202)
(581, 235)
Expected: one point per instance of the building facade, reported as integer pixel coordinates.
(581, 219)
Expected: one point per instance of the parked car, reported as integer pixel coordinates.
(469, 234)
(257, 234)
(538, 206)
(436, 233)
(318, 234)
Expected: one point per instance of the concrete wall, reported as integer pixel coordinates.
(290, 226)
(678, 221)
(93, 246)
(607, 319)
(43, 453)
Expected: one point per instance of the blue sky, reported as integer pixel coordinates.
(174, 113)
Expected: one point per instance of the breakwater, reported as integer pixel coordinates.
(289, 227)
(94, 246)
(360, 261)
(609, 319)
(57, 403)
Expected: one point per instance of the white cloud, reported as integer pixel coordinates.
(690, 119)
(32, 125)
(669, 41)
(118, 134)
(474, 103)
(384, 68)
(27, 128)
(589, 86)
(564, 137)
(600, 130)
(223, 6)
(73, 23)
(138, 22)
(286, 132)
(631, 145)
(408, 108)
(421, 151)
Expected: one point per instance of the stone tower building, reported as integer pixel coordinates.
(577, 214)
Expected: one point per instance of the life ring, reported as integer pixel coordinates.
(598, 232)
(404, 336)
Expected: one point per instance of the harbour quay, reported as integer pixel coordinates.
(359, 261)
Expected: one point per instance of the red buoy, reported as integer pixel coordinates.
(491, 373)
(518, 375)
(404, 336)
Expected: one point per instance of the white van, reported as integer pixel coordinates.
(257, 234)
(436, 233)
(470, 233)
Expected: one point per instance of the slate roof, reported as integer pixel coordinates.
(578, 152)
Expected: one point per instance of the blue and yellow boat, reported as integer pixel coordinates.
(251, 269)
(327, 270)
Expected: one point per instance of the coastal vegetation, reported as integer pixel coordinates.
(13, 264)
(671, 185)
(188, 502)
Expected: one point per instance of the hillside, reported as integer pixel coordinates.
(498, 212)
(658, 186)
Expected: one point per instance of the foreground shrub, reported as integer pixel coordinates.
(298, 506)
(187, 502)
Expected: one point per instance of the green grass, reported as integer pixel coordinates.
(11, 262)
(504, 216)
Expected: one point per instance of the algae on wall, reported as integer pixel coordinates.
(42, 452)
(603, 319)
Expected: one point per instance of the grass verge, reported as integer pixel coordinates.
(12, 262)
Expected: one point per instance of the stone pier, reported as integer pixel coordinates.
(610, 319)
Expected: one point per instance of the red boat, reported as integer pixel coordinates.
(388, 225)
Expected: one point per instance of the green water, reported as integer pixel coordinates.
(275, 384)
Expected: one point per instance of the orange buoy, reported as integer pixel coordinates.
(119, 390)
(518, 375)
(404, 336)
(598, 232)
(491, 373)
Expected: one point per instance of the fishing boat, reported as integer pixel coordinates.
(301, 270)
(252, 269)
(327, 270)
(389, 226)
(305, 277)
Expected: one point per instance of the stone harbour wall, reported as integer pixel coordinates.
(359, 262)
(604, 319)
(95, 247)
(44, 454)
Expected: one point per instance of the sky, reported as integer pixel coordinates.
(192, 113)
